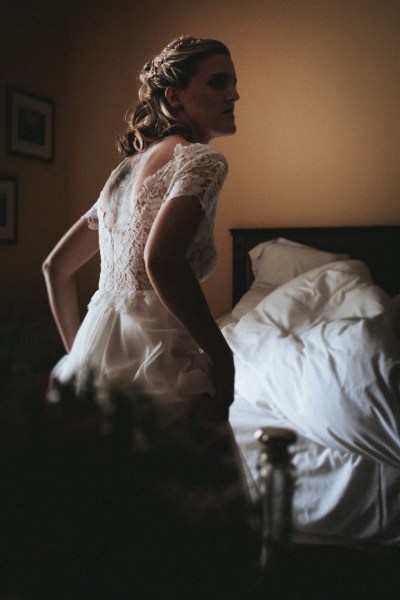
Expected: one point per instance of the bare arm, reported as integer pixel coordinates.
(77, 246)
(178, 289)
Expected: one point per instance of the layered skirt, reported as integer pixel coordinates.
(138, 341)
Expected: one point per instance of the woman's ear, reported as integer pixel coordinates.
(173, 97)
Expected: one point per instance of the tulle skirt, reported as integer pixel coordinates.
(140, 343)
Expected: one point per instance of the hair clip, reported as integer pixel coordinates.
(185, 40)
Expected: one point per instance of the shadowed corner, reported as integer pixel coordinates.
(110, 495)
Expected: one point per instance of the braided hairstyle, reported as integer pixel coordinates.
(152, 118)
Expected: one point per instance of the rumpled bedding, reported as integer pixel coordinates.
(321, 354)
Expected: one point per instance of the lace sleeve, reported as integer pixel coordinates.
(200, 172)
(91, 217)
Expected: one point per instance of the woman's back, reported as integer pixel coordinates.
(125, 212)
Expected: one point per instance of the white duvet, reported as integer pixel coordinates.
(321, 353)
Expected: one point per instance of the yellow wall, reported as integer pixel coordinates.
(318, 121)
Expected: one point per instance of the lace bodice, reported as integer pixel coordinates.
(124, 218)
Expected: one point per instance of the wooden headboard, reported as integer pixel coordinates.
(377, 246)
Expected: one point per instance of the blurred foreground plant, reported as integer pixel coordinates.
(111, 495)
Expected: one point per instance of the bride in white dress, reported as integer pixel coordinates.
(149, 321)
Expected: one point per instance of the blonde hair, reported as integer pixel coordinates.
(152, 118)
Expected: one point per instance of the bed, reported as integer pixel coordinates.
(314, 328)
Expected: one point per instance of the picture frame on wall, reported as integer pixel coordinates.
(30, 124)
(8, 209)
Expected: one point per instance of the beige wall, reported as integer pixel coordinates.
(318, 121)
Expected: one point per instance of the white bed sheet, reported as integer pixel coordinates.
(321, 354)
(339, 497)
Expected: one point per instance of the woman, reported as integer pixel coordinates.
(149, 321)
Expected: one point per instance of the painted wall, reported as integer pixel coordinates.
(33, 54)
(318, 140)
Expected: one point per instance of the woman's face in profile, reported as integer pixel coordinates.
(207, 103)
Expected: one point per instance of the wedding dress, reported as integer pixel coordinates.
(127, 333)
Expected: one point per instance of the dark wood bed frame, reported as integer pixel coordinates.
(377, 246)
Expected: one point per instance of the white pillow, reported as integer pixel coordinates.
(280, 260)
(250, 299)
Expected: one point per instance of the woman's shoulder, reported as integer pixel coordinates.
(165, 149)
(199, 153)
(157, 156)
(176, 149)
(196, 148)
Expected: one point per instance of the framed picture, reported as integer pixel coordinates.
(8, 208)
(30, 125)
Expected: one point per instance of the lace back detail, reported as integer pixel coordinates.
(124, 219)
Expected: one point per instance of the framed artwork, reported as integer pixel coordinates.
(8, 208)
(30, 125)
